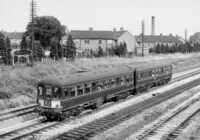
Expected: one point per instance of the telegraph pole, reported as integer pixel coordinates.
(32, 15)
(142, 38)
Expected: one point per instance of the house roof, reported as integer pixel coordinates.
(159, 38)
(14, 35)
(78, 34)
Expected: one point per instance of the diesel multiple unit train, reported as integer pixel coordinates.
(62, 97)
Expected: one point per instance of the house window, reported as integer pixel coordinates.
(87, 41)
(109, 41)
(100, 41)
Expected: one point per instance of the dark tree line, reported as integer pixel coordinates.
(182, 48)
(5, 49)
(117, 50)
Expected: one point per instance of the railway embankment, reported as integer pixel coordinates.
(18, 84)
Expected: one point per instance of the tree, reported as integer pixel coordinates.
(70, 48)
(100, 52)
(38, 51)
(5, 49)
(46, 28)
(117, 49)
(124, 48)
(8, 51)
(23, 43)
(53, 50)
(157, 48)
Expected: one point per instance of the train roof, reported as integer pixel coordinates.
(85, 77)
(152, 65)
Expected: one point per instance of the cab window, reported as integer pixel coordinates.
(57, 92)
(40, 91)
(48, 93)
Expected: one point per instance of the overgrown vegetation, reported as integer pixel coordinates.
(20, 82)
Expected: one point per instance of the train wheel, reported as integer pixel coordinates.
(48, 117)
(79, 110)
(59, 118)
(73, 112)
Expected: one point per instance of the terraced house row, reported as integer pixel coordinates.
(86, 40)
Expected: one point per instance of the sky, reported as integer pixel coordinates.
(171, 16)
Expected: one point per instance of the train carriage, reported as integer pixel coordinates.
(152, 75)
(68, 96)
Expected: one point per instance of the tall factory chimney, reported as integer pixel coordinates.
(185, 34)
(153, 25)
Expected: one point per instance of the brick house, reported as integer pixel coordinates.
(86, 40)
(15, 38)
(150, 41)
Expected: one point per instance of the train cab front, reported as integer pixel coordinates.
(49, 101)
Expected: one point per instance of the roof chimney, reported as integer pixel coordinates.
(153, 25)
(90, 29)
(114, 29)
(121, 29)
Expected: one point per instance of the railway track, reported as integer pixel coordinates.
(170, 126)
(37, 127)
(22, 111)
(89, 130)
(17, 112)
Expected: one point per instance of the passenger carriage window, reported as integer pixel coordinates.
(139, 75)
(113, 83)
(94, 87)
(118, 80)
(80, 90)
(100, 86)
(127, 79)
(66, 92)
(122, 80)
(107, 84)
(103, 84)
(87, 88)
(131, 78)
(73, 91)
